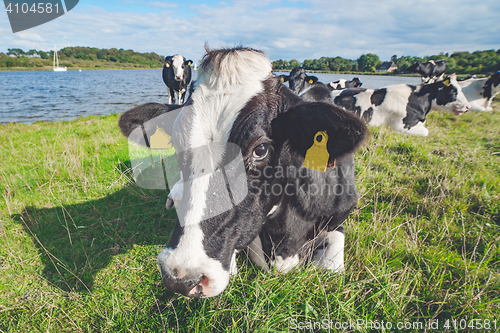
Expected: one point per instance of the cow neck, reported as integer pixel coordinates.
(431, 92)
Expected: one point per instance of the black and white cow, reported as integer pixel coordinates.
(480, 92)
(306, 86)
(343, 83)
(431, 71)
(291, 214)
(177, 75)
(402, 107)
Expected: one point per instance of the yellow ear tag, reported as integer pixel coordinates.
(446, 82)
(282, 79)
(167, 64)
(317, 156)
(311, 81)
(160, 140)
(189, 63)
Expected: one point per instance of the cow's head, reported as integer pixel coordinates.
(240, 124)
(298, 80)
(449, 96)
(177, 63)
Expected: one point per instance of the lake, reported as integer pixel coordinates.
(30, 96)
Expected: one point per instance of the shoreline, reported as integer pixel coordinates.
(48, 69)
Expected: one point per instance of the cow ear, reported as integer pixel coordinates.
(311, 79)
(140, 116)
(168, 61)
(299, 125)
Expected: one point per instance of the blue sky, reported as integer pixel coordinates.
(284, 29)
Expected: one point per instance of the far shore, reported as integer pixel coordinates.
(50, 68)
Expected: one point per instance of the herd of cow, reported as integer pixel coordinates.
(291, 214)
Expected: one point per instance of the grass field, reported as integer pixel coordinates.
(79, 240)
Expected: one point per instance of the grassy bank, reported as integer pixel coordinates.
(79, 240)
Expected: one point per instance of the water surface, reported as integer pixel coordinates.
(29, 96)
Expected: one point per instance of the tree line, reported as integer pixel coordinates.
(479, 62)
(36, 58)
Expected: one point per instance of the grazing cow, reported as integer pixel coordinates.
(306, 86)
(292, 211)
(402, 107)
(343, 83)
(177, 75)
(431, 71)
(480, 92)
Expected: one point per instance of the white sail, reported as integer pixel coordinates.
(56, 60)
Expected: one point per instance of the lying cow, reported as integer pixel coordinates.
(480, 92)
(402, 107)
(343, 83)
(291, 214)
(177, 75)
(431, 71)
(306, 86)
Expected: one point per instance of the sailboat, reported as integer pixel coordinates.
(56, 60)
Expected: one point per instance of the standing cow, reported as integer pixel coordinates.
(480, 92)
(431, 71)
(402, 107)
(177, 75)
(293, 213)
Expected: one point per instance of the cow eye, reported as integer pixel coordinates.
(260, 152)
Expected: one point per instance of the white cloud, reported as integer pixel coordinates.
(324, 28)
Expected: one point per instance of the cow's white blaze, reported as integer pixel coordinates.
(177, 62)
(221, 91)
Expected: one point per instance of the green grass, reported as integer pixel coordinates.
(79, 240)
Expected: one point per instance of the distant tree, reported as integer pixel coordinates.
(293, 63)
(367, 62)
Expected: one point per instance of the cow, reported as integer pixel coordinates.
(402, 107)
(343, 83)
(307, 87)
(430, 71)
(177, 75)
(292, 212)
(480, 92)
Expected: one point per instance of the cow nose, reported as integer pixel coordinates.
(178, 78)
(191, 287)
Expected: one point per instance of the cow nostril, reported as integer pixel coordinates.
(197, 290)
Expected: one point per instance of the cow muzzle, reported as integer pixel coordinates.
(190, 277)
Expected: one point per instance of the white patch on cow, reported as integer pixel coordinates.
(332, 257)
(274, 209)
(286, 265)
(175, 194)
(473, 90)
(256, 254)
(220, 93)
(177, 62)
(338, 85)
(233, 268)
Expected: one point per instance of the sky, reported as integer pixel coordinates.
(284, 29)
